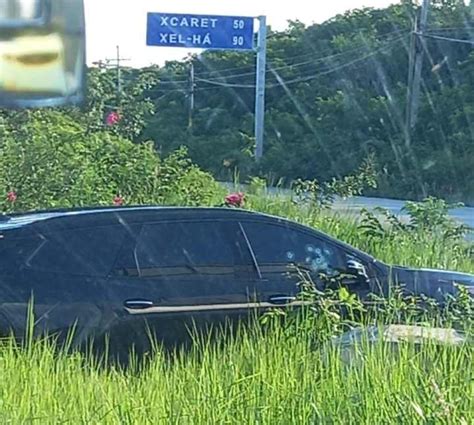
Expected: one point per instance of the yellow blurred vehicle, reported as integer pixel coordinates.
(34, 64)
(42, 53)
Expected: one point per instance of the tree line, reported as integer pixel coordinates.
(335, 96)
(336, 93)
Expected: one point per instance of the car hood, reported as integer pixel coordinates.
(431, 282)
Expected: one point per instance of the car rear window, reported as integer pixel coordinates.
(90, 251)
(14, 253)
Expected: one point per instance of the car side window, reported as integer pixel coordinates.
(85, 252)
(278, 245)
(14, 253)
(126, 261)
(186, 248)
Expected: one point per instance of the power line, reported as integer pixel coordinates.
(183, 83)
(204, 88)
(183, 91)
(305, 55)
(238, 68)
(442, 29)
(200, 76)
(295, 65)
(230, 85)
(338, 68)
(308, 62)
(165, 90)
(303, 78)
(174, 82)
(316, 60)
(439, 37)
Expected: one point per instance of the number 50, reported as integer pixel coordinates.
(239, 24)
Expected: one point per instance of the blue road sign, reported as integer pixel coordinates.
(200, 31)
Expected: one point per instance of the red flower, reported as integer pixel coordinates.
(12, 196)
(118, 201)
(113, 118)
(235, 200)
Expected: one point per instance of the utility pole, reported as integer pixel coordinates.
(260, 87)
(119, 75)
(117, 64)
(414, 72)
(411, 61)
(191, 94)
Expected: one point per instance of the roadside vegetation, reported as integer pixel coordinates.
(336, 93)
(283, 368)
(272, 375)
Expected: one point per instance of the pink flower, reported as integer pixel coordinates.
(118, 201)
(235, 200)
(113, 118)
(12, 196)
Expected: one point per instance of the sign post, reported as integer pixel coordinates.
(216, 32)
(260, 87)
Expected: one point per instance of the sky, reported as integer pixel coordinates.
(123, 22)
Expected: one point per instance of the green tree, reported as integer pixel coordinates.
(61, 164)
(342, 98)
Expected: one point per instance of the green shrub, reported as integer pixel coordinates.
(54, 162)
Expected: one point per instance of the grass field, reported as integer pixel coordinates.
(273, 374)
(272, 378)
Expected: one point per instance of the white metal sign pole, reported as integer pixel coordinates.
(260, 86)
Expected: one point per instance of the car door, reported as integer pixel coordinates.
(181, 274)
(61, 272)
(281, 249)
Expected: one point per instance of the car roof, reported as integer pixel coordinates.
(19, 220)
(24, 220)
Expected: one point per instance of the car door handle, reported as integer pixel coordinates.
(281, 299)
(138, 304)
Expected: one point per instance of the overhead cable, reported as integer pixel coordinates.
(302, 78)
(439, 37)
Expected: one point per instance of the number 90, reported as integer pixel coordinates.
(237, 40)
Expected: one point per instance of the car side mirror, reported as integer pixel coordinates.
(42, 53)
(357, 269)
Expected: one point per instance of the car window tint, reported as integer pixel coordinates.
(185, 248)
(90, 251)
(279, 245)
(126, 261)
(14, 253)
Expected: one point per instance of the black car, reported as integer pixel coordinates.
(124, 271)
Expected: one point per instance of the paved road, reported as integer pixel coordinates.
(464, 215)
(355, 204)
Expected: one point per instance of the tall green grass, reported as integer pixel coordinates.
(272, 377)
(260, 375)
